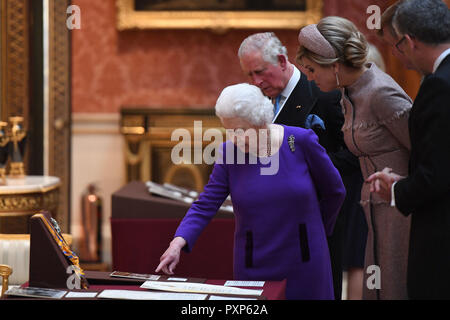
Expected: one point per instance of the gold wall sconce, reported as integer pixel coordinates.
(13, 138)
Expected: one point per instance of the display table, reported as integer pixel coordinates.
(52, 267)
(272, 290)
(99, 281)
(21, 198)
(142, 226)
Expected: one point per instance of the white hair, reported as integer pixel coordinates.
(267, 43)
(245, 101)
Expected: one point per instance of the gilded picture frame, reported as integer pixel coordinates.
(129, 18)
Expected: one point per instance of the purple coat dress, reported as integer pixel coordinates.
(281, 220)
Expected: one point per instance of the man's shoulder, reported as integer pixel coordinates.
(316, 93)
(331, 96)
(438, 82)
(434, 94)
(443, 72)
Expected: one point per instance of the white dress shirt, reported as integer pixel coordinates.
(441, 58)
(295, 78)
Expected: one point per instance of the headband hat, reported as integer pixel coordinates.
(311, 38)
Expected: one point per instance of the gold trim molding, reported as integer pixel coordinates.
(14, 204)
(198, 180)
(128, 18)
(148, 143)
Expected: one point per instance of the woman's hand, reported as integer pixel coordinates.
(171, 257)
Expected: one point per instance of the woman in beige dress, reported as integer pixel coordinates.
(333, 53)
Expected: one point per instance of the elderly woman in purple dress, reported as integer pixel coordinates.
(283, 215)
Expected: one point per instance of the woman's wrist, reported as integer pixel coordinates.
(178, 242)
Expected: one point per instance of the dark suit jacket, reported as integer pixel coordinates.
(425, 193)
(306, 99)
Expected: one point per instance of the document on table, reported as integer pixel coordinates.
(139, 276)
(174, 279)
(234, 283)
(230, 298)
(36, 292)
(198, 288)
(81, 294)
(147, 295)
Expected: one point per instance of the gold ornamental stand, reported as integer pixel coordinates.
(22, 198)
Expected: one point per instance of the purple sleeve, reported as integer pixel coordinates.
(204, 209)
(328, 182)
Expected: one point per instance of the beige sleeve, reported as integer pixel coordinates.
(392, 108)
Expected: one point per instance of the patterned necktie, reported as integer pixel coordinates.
(276, 105)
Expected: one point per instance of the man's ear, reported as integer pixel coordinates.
(411, 41)
(282, 61)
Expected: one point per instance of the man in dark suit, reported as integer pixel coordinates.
(298, 102)
(264, 59)
(423, 27)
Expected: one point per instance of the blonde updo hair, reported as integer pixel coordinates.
(348, 42)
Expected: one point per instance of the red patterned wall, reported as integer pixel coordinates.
(166, 68)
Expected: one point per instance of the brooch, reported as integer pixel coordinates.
(291, 142)
(55, 225)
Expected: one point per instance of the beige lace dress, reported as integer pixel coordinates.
(376, 113)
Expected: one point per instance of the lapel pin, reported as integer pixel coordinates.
(291, 142)
(299, 107)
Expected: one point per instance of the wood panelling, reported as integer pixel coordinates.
(59, 113)
(15, 58)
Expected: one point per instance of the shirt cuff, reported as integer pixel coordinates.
(393, 194)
